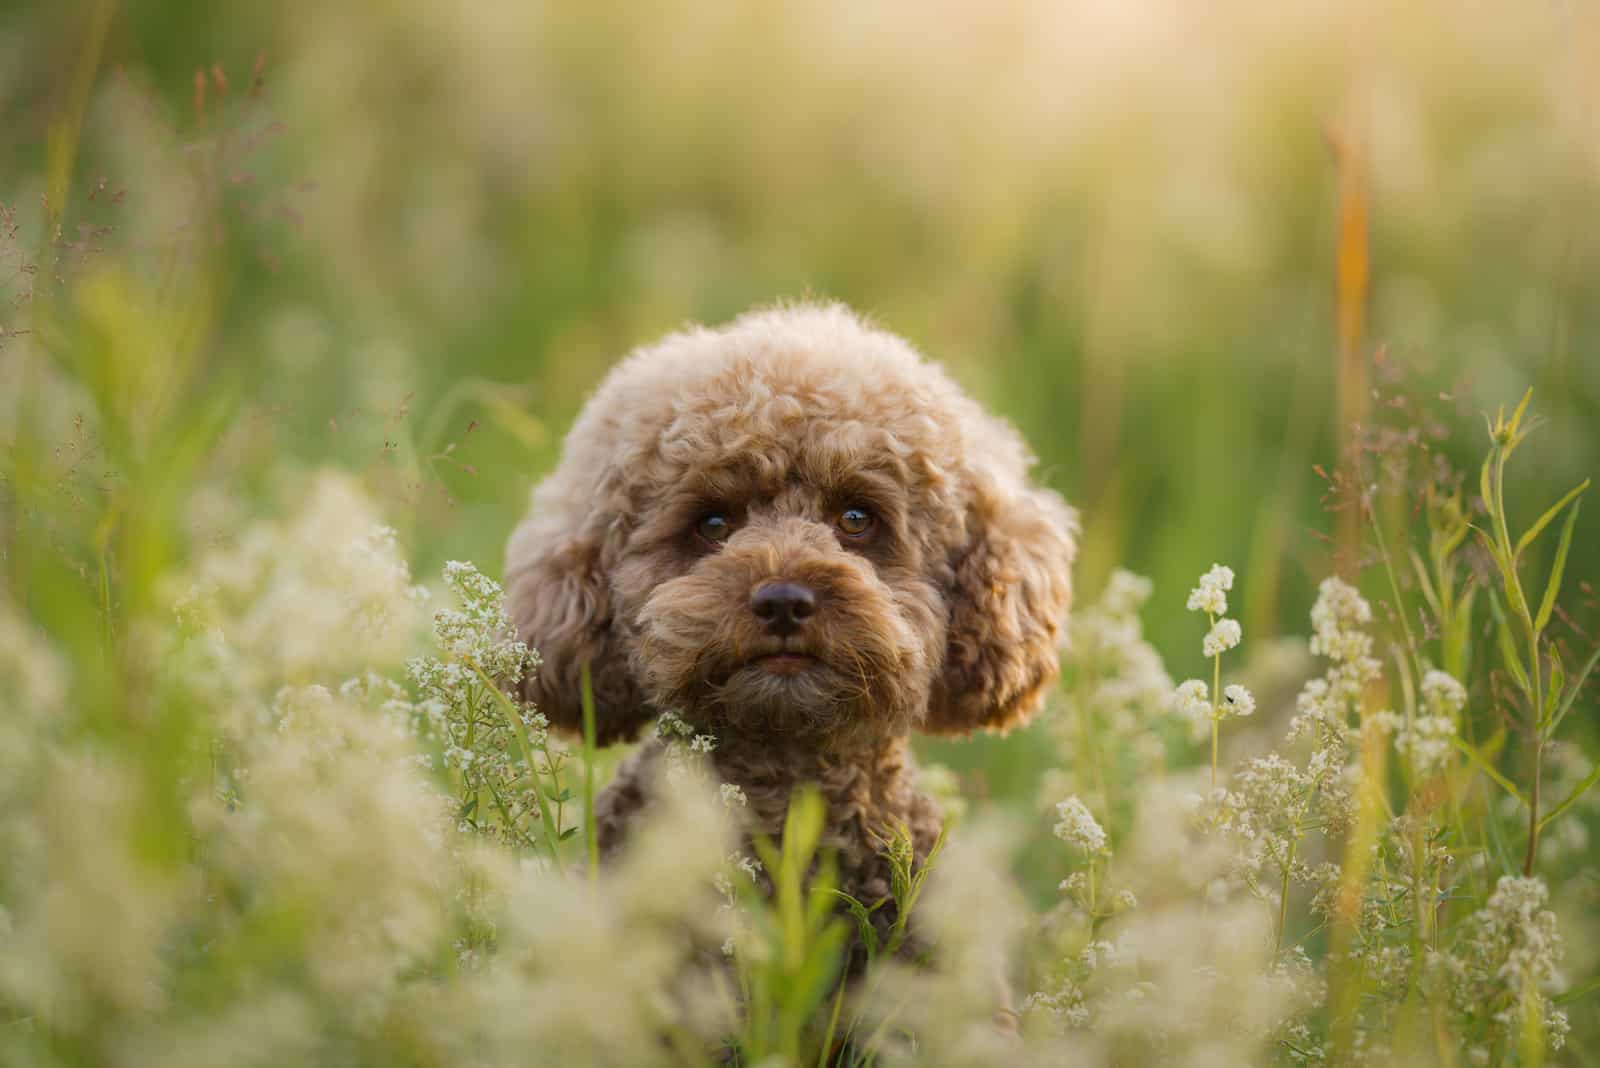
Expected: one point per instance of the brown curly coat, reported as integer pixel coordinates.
(945, 618)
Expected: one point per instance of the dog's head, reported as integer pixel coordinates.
(791, 526)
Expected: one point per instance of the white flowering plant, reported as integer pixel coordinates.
(511, 778)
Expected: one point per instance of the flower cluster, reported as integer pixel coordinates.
(1338, 621)
(1211, 596)
(1497, 973)
(296, 599)
(1107, 727)
(1078, 826)
(1426, 741)
(1193, 699)
(497, 748)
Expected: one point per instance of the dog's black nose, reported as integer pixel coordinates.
(783, 606)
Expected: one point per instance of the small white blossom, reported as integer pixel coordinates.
(1336, 618)
(1078, 826)
(1224, 635)
(1210, 596)
(1125, 594)
(1427, 741)
(1443, 695)
(1194, 699)
(1237, 701)
(733, 795)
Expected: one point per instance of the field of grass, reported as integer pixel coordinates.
(298, 300)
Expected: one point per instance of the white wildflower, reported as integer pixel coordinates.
(1193, 700)
(1210, 596)
(1336, 618)
(1427, 741)
(1115, 683)
(1237, 701)
(1443, 695)
(670, 726)
(1507, 956)
(1125, 593)
(1078, 826)
(1224, 635)
(733, 795)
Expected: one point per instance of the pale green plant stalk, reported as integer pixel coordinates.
(591, 831)
(1216, 703)
(550, 839)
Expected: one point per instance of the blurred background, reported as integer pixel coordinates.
(1177, 244)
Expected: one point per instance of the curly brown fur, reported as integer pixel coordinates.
(945, 619)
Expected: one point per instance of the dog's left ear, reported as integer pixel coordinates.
(1011, 589)
(559, 599)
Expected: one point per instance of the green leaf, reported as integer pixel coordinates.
(568, 833)
(863, 918)
(1488, 769)
(1553, 587)
(1516, 416)
(1513, 660)
(1452, 541)
(812, 980)
(1582, 990)
(1573, 691)
(1558, 679)
(1550, 514)
(1572, 798)
(1424, 582)
(1508, 575)
(1457, 639)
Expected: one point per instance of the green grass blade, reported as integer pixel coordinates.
(1582, 990)
(1513, 659)
(1424, 582)
(1549, 515)
(1572, 798)
(1488, 769)
(1573, 691)
(833, 1028)
(1516, 416)
(1485, 487)
(1553, 587)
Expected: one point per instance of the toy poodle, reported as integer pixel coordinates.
(805, 540)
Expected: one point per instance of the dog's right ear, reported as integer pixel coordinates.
(559, 600)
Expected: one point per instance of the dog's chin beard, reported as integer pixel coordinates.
(784, 695)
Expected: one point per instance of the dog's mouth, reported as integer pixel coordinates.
(785, 663)
(792, 656)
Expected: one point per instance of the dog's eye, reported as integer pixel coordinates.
(856, 522)
(714, 529)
